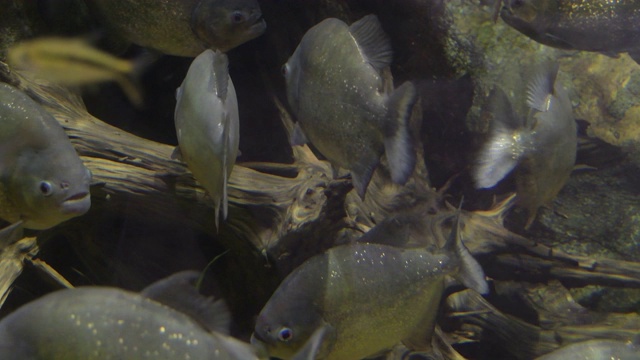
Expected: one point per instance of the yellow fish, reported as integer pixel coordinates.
(73, 62)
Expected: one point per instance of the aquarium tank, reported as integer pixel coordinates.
(320, 179)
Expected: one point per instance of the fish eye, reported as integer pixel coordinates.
(285, 334)
(45, 188)
(237, 17)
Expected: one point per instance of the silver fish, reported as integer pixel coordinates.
(182, 27)
(337, 92)
(43, 182)
(207, 125)
(357, 300)
(109, 323)
(541, 147)
(605, 26)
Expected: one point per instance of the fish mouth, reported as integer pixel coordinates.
(258, 25)
(78, 203)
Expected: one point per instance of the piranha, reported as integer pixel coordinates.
(207, 125)
(109, 323)
(541, 147)
(337, 91)
(360, 299)
(605, 26)
(596, 349)
(43, 182)
(182, 27)
(74, 62)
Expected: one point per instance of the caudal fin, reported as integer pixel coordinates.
(506, 144)
(398, 142)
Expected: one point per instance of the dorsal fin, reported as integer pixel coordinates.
(373, 42)
(179, 292)
(221, 74)
(540, 89)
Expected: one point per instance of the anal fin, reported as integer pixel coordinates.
(179, 292)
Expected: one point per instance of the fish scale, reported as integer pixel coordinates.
(360, 299)
(339, 97)
(43, 182)
(608, 27)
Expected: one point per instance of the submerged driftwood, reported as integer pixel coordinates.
(555, 320)
(279, 214)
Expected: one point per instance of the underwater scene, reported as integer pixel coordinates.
(320, 179)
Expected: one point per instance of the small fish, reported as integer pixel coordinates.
(108, 323)
(207, 125)
(605, 26)
(597, 349)
(337, 92)
(74, 62)
(360, 299)
(541, 147)
(43, 182)
(182, 27)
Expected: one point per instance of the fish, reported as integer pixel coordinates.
(73, 61)
(182, 27)
(99, 322)
(43, 181)
(338, 92)
(541, 147)
(360, 299)
(596, 349)
(208, 126)
(608, 27)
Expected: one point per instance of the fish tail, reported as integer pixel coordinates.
(398, 142)
(142, 62)
(469, 272)
(502, 152)
(129, 80)
(131, 89)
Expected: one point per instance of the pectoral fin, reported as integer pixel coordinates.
(298, 137)
(177, 154)
(179, 292)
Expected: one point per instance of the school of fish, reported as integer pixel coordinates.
(350, 302)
